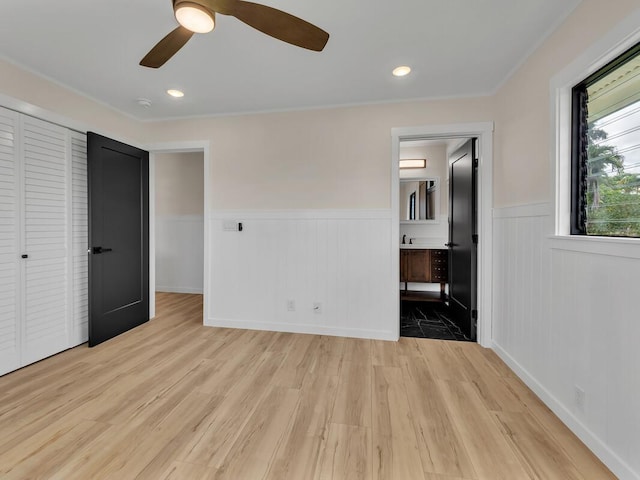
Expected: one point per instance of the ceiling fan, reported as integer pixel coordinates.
(199, 16)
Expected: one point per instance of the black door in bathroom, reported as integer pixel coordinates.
(463, 238)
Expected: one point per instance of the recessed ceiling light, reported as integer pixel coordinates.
(401, 71)
(175, 93)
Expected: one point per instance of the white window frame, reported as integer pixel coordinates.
(610, 46)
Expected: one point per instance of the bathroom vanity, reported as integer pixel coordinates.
(423, 265)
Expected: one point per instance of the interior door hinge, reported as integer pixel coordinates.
(474, 238)
(475, 162)
(474, 314)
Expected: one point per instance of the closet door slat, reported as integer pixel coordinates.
(45, 212)
(9, 245)
(80, 229)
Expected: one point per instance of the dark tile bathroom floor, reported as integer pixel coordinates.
(428, 320)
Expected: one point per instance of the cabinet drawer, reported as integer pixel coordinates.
(439, 273)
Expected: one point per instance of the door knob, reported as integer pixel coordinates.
(97, 250)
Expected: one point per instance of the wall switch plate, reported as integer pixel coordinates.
(317, 307)
(231, 226)
(291, 305)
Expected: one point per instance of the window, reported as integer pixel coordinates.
(605, 150)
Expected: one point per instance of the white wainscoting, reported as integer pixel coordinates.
(179, 253)
(341, 259)
(565, 316)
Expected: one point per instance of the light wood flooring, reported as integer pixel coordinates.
(176, 400)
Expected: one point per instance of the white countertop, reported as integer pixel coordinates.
(422, 246)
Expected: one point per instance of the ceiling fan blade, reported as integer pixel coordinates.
(166, 48)
(273, 22)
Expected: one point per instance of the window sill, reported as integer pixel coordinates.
(611, 246)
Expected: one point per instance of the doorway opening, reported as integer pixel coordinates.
(429, 307)
(421, 242)
(178, 224)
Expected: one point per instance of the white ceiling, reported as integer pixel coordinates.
(455, 47)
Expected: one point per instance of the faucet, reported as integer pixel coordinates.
(404, 239)
(411, 241)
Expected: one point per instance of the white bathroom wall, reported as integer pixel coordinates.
(179, 208)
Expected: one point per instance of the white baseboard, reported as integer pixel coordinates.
(301, 328)
(597, 446)
(178, 289)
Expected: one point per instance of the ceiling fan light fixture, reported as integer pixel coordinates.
(195, 17)
(401, 71)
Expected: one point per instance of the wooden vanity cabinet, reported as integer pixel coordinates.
(416, 266)
(424, 266)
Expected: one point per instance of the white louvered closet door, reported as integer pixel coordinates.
(9, 242)
(45, 215)
(80, 227)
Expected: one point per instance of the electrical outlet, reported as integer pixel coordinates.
(291, 305)
(580, 398)
(317, 307)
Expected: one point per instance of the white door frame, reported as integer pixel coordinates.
(179, 147)
(484, 132)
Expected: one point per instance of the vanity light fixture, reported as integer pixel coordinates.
(413, 163)
(175, 93)
(401, 71)
(195, 17)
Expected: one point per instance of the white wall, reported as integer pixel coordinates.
(565, 309)
(179, 209)
(36, 96)
(337, 258)
(330, 164)
(567, 317)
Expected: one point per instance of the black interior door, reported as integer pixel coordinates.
(118, 237)
(463, 237)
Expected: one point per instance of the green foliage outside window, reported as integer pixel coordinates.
(613, 195)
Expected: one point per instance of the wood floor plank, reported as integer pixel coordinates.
(252, 452)
(348, 454)
(443, 363)
(385, 353)
(353, 400)
(479, 430)
(329, 356)
(173, 399)
(299, 453)
(149, 458)
(300, 355)
(395, 445)
(357, 350)
(216, 440)
(540, 451)
(408, 347)
(45, 453)
(188, 471)
(493, 388)
(585, 461)
(442, 449)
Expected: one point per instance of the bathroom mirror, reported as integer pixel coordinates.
(419, 200)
